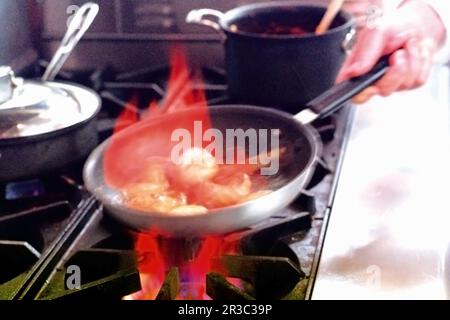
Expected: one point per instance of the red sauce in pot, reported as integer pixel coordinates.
(278, 29)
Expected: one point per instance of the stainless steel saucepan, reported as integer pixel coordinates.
(47, 125)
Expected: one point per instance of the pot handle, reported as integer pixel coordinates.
(197, 16)
(78, 26)
(335, 98)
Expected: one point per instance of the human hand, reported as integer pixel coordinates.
(411, 35)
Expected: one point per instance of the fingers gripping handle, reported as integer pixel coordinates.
(336, 97)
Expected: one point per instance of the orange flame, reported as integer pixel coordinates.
(126, 157)
(151, 264)
(129, 116)
(126, 154)
(180, 92)
(158, 255)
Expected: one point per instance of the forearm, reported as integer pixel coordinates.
(442, 7)
(435, 15)
(431, 15)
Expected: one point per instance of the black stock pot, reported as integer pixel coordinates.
(273, 57)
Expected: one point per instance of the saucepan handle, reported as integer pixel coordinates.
(349, 41)
(78, 26)
(198, 16)
(336, 97)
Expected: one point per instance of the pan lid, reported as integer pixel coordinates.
(29, 108)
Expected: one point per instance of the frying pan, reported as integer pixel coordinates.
(296, 167)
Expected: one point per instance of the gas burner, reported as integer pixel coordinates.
(39, 193)
(187, 268)
(194, 268)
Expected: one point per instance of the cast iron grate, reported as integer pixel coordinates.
(33, 217)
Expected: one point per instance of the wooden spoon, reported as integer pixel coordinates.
(330, 14)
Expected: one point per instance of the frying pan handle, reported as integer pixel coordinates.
(334, 98)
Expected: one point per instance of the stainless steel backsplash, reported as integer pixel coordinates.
(137, 33)
(127, 34)
(16, 47)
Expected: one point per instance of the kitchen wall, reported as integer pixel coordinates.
(137, 33)
(15, 42)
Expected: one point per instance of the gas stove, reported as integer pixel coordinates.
(57, 241)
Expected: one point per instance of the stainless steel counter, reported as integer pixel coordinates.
(389, 227)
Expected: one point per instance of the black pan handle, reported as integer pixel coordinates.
(334, 98)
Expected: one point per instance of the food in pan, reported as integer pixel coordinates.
(272, 28)
(279, 29)
(196, 184)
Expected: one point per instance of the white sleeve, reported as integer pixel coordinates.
(442, 8)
